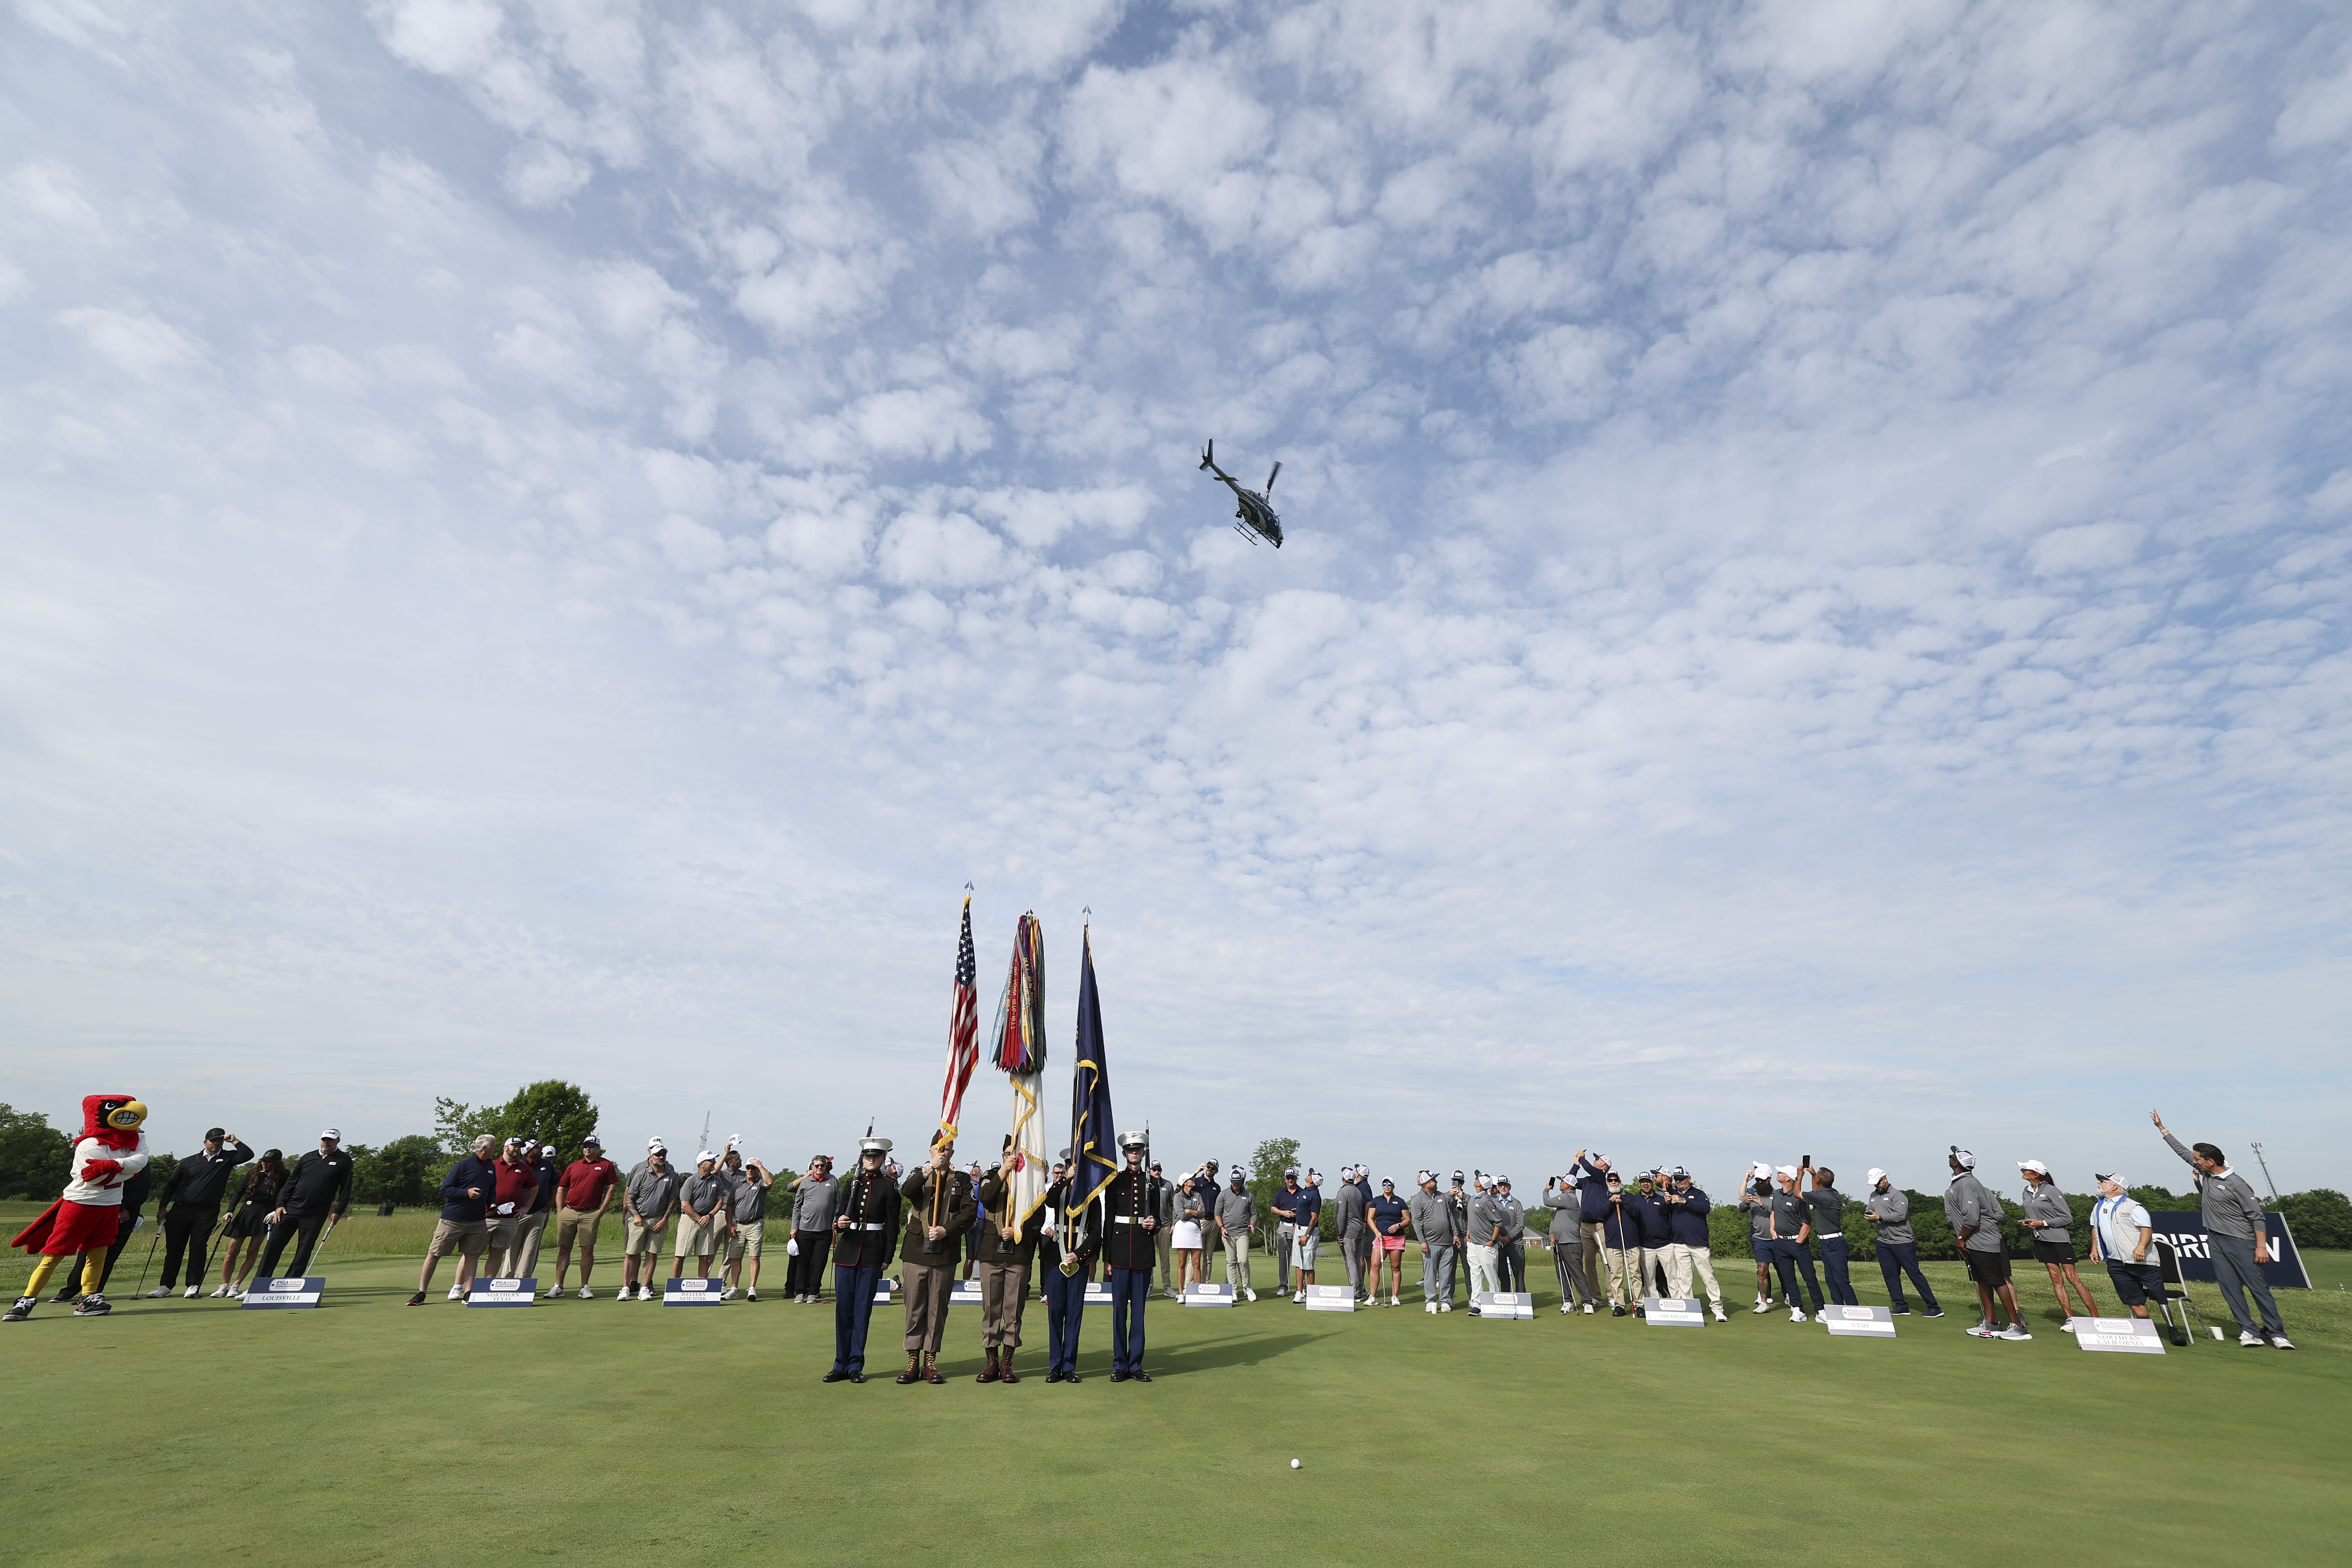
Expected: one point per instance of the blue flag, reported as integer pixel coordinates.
(1094, 1138)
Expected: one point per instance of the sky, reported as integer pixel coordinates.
(554, 539)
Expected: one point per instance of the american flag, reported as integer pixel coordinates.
(963, 1027)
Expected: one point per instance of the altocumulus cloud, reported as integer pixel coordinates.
(555, 539)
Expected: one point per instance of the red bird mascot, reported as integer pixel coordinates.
(111, 1148)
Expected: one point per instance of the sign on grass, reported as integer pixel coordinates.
(1331, 1298)
(2188, 1238)
(2133, 1336)
(1503, 1304)
(284, 1292)
(966, 1293)
(1673, 1313)
(1097, 1293)
(502, 1293)
(1202, 1294)
(684, 1292)
(1860, 1322)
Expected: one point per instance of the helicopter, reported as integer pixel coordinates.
(1254, 509)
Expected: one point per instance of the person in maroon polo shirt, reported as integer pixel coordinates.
(518, 1182)
(584, 1192)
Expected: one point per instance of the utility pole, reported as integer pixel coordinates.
(2265, 1164)
(706, 1132)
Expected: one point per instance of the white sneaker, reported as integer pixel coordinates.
(1718, 1313)
(1394, 1302)
(2247, 1339)
(726, 1293)
(2067, 1327)
(1587, 1309)
(1429, 1307)
(1822, 1316)
(1565, 1309)
(2014, 1331)
(2278, 1342)
(1983, 1331)
(1300, 1299)
(1796, 1314)
(587, 1294)
(554, 1293)
(158, 1293)
(1762, 1307)
(218, 1290)
(456, 1294)
(1445, 1306)
(191, 1293)
(235, 1294)
(1251, 1294)
(752, 1294)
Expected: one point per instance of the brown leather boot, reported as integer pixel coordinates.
(989, 1373)
(914, 1372)
(1004, 1372)
(931, 1370)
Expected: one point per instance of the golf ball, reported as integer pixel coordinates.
(1294, 1464)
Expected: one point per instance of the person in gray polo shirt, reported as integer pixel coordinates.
(1888, 1210)
(1976, 1217)
(1567, 1233)
(1236, 1218)
(2240, 1238)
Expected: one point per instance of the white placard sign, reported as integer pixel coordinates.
(1860, 1322)
(1200, 1294)
(1672, 1312)
(284, 1292)
(503, 1293)
(882, 1290)
(2133, 1336)
(1331, 1298)
(1097, 1293)
(965, 1293)
(1503, 1304)
(685, 1292)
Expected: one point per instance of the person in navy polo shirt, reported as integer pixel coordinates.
(466, 1193)
(1306, 1208)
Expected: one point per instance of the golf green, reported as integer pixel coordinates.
(369, 1432)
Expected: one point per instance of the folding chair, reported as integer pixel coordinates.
(2175, 1288)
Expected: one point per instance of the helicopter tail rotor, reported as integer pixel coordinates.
(1209, 455)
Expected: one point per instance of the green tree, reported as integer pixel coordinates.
(1274, 1156)
(32, 1155)
(547, 1111)
(403, 1171)
(2320, 1217)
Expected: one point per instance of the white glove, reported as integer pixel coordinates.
(505, 1208)
(791, 1247)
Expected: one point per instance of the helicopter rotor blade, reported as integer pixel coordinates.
(1270, 478)
(1209, 455)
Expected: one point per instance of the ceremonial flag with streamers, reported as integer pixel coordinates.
(1019, 1051)
(1094, 1138)
(963, 1028)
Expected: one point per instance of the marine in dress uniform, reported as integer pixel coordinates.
(1130, 1203)
(1066, 1294)
(864, 1229)
(1002, 1262)
(930, 1276)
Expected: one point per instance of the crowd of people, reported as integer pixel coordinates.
(1617, 1240)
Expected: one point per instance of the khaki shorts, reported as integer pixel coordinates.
(641, 1239)
(745, 1242)
(572, 1226)
(696, 1240)
(466, 1237)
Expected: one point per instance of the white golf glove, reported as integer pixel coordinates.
(505, 1208)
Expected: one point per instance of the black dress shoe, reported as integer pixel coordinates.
(1072, 1377)
(1140, 1377)
(1052, 1374)
(858, 1377)
(836, 1375)
(1118, 1377)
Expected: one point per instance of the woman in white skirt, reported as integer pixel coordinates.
(1191, 1209)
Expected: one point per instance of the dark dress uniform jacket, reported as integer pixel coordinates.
(989, 1245)
(957, 1211)
(1132, 1197)
(868, 1197)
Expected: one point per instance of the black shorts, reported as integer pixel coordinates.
(2137, 1283)
(2053, 1252)
(1990, 1269)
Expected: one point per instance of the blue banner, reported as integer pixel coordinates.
(2186, 1232)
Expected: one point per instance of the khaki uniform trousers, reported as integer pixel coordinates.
(1683, 1261)
(927, 1305)
(1004, 1292)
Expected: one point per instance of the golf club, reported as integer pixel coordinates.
(150, 1256)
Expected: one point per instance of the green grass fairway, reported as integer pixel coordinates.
(599, 1431)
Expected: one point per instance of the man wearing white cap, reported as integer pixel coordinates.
(1236, 1218)
(319, 1191)
(1888, 1210)
(2049, 1218)
(648, 1204)
(1976, 1217)
(2124, 1238)
(1433, 1227)
(701, 1205)
(1355, 1236)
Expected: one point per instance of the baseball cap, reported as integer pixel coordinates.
(1458, 1176)
(1785, 1171)
(1614, 1180)
(2114, 1176)
(335, 1132)
(1502, 1181)
(1421, 1176)
(706, 1154)
(1292, 1172)
(1968, 1160)
(656, 1143)
(1759, 1169)
(217, 1135)
(1875, 1177)
(514, 1141)
(547, 1148)
(1387, 1182)
(2036, 1167)
(1313, 1177)
(1680, 1172)
(656, 1147)
(592, 1141)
